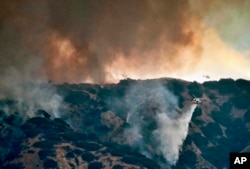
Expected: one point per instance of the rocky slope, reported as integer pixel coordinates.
(133, 124)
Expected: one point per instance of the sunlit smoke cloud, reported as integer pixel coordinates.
(95, 42)
(85, 41)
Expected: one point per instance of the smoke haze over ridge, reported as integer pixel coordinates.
(104, 41)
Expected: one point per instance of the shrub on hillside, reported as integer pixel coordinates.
(187, 159)
(241, 101)
(117, 167)
(90, 146)
(211, 130)
(95, 165)
(221, 117)
(13, 166)
(247, 116)
(49, 163)
(45, 153)
(200, 141)
(86, 156)
(44, 144)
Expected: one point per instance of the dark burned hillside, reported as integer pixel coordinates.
(115, 126)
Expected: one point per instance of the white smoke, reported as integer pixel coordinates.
(29, 94)
(171, 134)
(155, 120)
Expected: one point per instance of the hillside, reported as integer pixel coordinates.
(132, 124)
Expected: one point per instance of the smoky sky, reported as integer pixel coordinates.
(83, 40)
